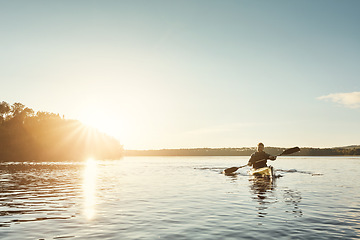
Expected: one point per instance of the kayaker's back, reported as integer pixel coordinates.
(256, 156)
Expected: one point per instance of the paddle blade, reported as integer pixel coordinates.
(230, 170)
(290, 151)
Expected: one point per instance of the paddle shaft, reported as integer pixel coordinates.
(286, 152)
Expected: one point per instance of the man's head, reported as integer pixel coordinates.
(260, 147)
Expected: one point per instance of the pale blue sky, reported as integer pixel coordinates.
(178, 74)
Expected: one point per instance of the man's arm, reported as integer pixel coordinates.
(250, 163)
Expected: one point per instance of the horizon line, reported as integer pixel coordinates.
(190, 148)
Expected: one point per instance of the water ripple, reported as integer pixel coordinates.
(178, 198)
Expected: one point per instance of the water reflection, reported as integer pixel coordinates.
(89, 188)
(263, 188)
(265, 193)
(232, 176)
(37, 191)
(292, 198)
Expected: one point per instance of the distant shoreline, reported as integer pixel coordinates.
(245, 151)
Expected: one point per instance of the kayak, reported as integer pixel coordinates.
(264, 172)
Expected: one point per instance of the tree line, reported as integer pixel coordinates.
(26, 135)
(245, 151)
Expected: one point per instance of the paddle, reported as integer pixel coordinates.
(286, 152)
(290, 151)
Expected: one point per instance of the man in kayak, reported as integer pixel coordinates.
(255, 158)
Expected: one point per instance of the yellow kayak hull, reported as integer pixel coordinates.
(264, 172)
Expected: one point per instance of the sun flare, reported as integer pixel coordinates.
(105, 123)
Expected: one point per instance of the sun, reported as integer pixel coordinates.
(97, 121)
(106, 123)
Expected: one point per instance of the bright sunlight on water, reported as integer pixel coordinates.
(89, 187)
(180, 198)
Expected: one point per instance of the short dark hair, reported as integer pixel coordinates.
(260, 144)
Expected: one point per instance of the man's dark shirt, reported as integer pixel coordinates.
(256, 156)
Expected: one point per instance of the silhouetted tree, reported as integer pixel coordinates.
(45, 136)
(4, 111)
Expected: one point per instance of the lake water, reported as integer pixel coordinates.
(180, 198)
